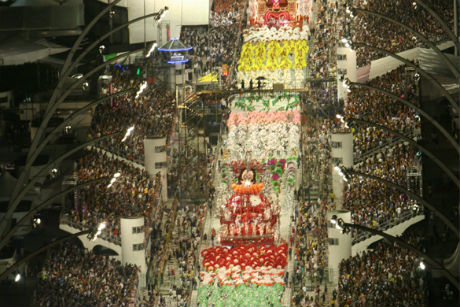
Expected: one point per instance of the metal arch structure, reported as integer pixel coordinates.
(446, 94)
(428, 153)
(404, 244)
(45, 169)
(441, 21)
(44, 204)
(42, 249)
(409, 104)
(451, 66)
(56, 99)
(404, 190)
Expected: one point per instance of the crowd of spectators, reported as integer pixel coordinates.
(72, 276)
(181, 266)
(377, 107)
(378, 152)
(189, 172)
(134, 193)
(183, 250)
(325, 32)
(381, 33)
(215, 45)
(310, 243)
(386, 275)
(151, 114)
(311, 253)
(374, 204)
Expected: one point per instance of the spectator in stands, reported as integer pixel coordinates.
(388, 275)
(73, 277)
(381, 33)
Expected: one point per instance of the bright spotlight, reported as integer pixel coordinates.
(422, 265)
(154, 45)
(17, 277)
(102, 226)
(128, 133)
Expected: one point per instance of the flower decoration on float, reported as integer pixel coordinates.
(291, 171)
(277, 169)
(273, 55)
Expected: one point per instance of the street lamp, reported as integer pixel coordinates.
(348, 226)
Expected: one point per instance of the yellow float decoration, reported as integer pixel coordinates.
(274, 55)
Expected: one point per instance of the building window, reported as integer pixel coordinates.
(337, 161)
(160, 149)
(342, 71)
(336, 144)
(160, 165)
(341, 57)
(138, 247)
(138, 229)
(333, 241)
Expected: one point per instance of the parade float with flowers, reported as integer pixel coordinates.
(258, 166)
(276, 43)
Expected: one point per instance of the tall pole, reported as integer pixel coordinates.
(145, 33)
(456, 26)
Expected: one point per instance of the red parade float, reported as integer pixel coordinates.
(248, 216)
(250, 255)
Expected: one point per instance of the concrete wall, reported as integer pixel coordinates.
(129, 239)
(394, 231)
(342, 249)
(345, 151)
(348, 64)
(91, 244)
(152, 159)
(383, 65)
